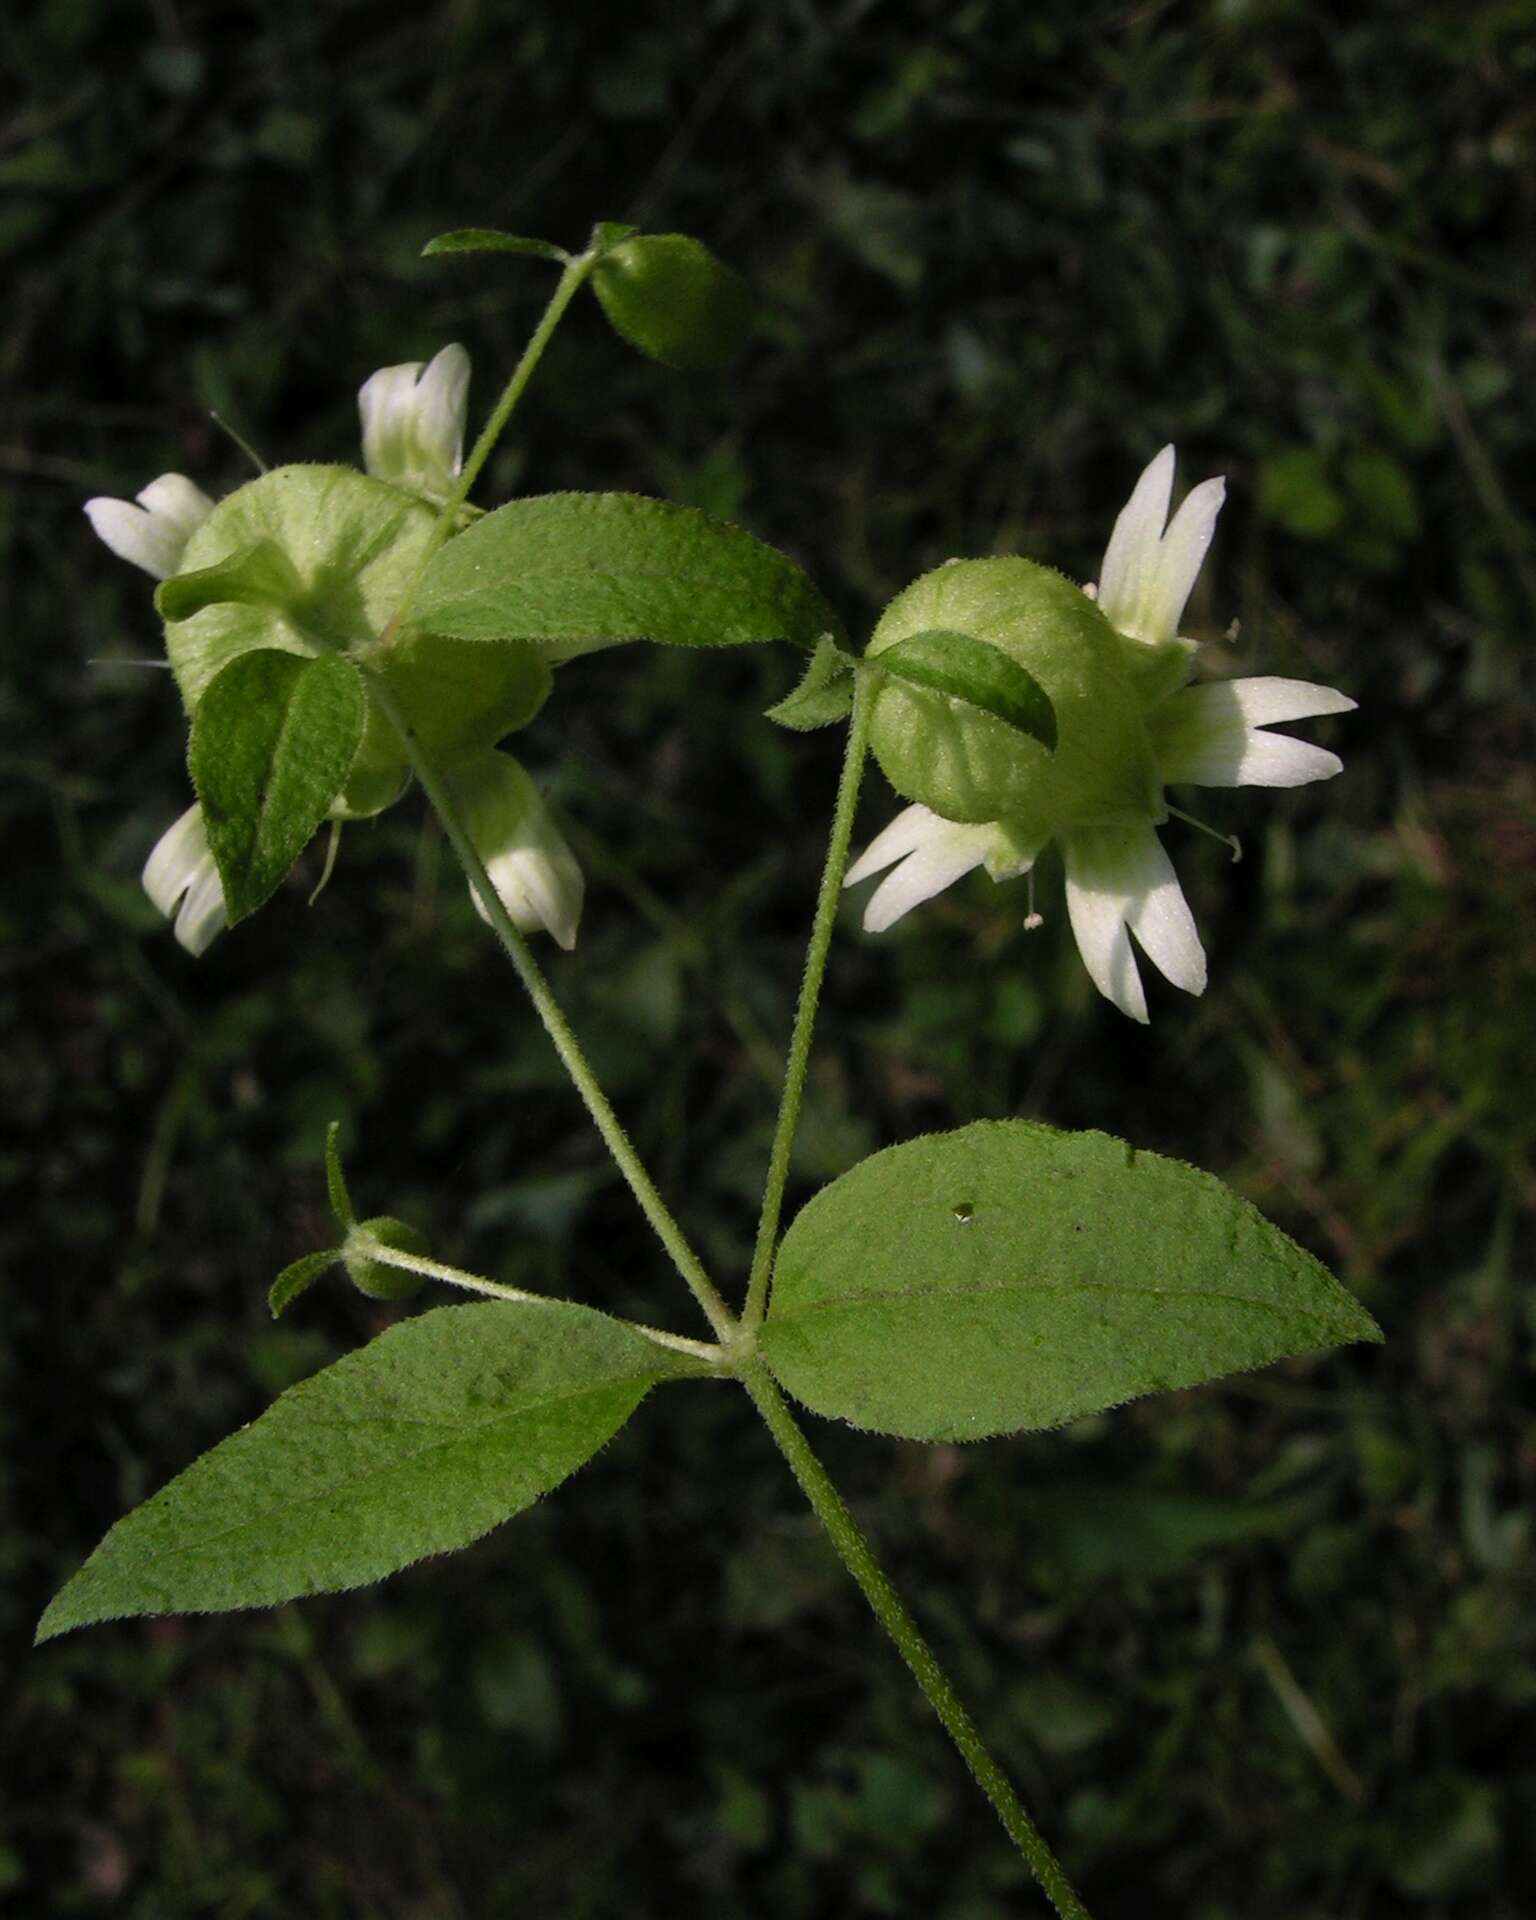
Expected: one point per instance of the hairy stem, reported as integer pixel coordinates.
(556, 1025)
(810, 995)
(577, 272)
(854, 1551)
(519, 1296)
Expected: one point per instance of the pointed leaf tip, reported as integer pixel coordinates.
(418, 1443)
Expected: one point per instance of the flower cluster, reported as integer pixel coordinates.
(413, 437)
(1129, 726)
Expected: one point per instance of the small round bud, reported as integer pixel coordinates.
(967, 765)
(371, 1275)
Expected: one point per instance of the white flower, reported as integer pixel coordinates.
(413, 423)
(182, 868)
(1119, 881)
(152, 535)
(1151, 562)
(531, 867)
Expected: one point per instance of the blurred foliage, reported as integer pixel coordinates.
(1267, 1649)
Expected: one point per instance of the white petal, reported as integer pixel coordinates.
(1133, 545)
(1097, 912)
(383, 405)
(202, 912)
(1119, 882)
(949, 851)
(174, 499)
(908, 830)
(181, 867)
(1179, 558)
(1210, 736)
(1276, 760)
(413, 421)
(153, 534)
(442, 401)
(173, 864)
(531, 867)
(136, 536)
(1160, 918)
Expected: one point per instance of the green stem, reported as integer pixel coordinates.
(577, 272)
(855, 1553)
(810, 995)
(478, 1283)
(556, 1025)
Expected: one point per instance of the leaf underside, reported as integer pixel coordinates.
(272, 742)
(1008, 1276)
(418, 1443)
(577, 571)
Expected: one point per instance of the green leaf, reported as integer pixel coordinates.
(1008, 1276)
(578, 571)
(668, 295)
(418, 1443)
(259, 575)
(977, 672)
(336, 1180)
(298, 1277)
(824, 695)
(272, 741)
(492, 240)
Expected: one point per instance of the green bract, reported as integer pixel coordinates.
(968, 765)
(313, 560)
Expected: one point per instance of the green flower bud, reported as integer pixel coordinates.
(371, 1275)
(970, 767)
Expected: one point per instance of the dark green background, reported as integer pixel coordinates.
(1003, 253)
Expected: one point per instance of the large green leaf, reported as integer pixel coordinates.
(1009, 1276)
(418, 1443)
(272, 742)
(578, 571)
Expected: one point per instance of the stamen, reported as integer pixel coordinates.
(1032, 919)
(240, 441)
(1227, 839)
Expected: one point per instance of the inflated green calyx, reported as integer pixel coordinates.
(330, 554)
(969, 766)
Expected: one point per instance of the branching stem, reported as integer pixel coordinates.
(556, 1025)
(810, 994)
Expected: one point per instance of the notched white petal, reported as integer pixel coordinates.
(929, 854)
(152, 534)
(413, 422)
(533, 870)
(1151, 563)
(1120, 882)
(181, 868)
(908, 830)
(1212, 736)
